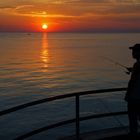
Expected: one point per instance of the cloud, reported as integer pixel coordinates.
(26, 2)
(12, 10)
(6, 7)
(23, 7)
(70, 8)
(102, 1)
(84, 13)
(23, 10)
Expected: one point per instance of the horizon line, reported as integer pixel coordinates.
(71, 32)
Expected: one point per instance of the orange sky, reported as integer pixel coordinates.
(70, 15)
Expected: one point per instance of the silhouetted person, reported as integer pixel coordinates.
(133, 93)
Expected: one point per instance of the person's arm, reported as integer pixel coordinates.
(132, 80)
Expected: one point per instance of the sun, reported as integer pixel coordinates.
(44, 26)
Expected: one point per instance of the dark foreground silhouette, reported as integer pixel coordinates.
(132, 96)
(125, 137)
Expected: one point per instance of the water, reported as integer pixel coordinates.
(41, 65)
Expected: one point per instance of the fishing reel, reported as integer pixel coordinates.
(129, 70)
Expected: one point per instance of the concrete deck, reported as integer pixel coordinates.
(106, 134)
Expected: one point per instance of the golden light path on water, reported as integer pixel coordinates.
(44, 51)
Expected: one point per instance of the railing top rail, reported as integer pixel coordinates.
(22, 106)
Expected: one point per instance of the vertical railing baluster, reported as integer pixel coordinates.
(77, 118)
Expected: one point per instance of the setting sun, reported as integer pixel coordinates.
(44, 26)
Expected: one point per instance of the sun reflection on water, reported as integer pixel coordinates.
(44, 51)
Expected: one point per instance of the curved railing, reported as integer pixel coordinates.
(77, 118)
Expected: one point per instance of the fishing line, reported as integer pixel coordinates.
(119, 64)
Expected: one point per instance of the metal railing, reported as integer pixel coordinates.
(77, 118)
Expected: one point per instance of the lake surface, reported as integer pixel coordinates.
(39, 65)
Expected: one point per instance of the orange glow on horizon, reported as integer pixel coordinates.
(70, 16)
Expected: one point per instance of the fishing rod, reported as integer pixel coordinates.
(129, 70)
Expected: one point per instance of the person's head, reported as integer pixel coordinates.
(135, 51)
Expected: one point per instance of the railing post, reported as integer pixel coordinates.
(77, 118)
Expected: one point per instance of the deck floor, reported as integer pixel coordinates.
(106, 134)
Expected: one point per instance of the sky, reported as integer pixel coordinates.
(70, 15)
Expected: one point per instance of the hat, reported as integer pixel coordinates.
(136, 47)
